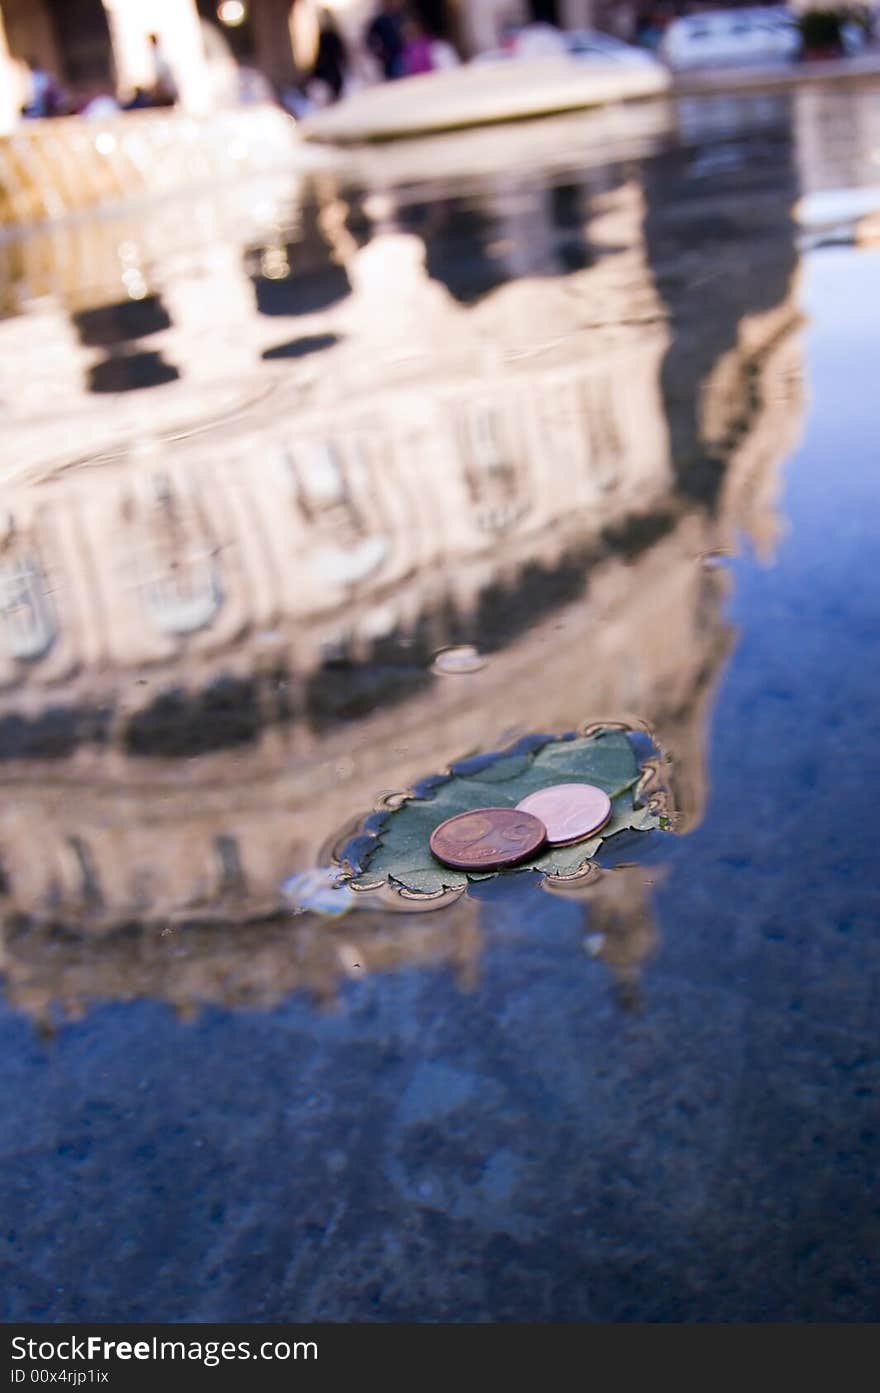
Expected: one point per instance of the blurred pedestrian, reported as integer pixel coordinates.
(331, 59)
(163, 91)
(43, 95)
(140, 99)
(418, 52)
(384, 38)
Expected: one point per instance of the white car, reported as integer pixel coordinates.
(722, 38)
(586, 45)
(592, 44)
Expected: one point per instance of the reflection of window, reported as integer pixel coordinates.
(328, 477)
(348, 565)
(488, 455)
(319, 474)
(604, 438)
(229, 871)
(177, 572)
(491, 466)
(183, 598)
(25, 616)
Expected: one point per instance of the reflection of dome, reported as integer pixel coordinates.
(175, 572)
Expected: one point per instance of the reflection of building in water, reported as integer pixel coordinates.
(621, 929)
(51, 973)
(267, 590)
(719, 234)
(56, 168)
(95, 303)
(252, 965)
(104, 44)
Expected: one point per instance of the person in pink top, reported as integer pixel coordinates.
(418, 55)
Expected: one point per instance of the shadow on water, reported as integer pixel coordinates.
(537, 422)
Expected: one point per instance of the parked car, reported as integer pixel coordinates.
(586, 45)
(524, 41)
(592, 44)
(731, 37)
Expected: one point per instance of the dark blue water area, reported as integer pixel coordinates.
(526, 1150)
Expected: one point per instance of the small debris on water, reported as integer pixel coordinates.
(349, 959)
(318, 890)
(454, 661)
(713, 559)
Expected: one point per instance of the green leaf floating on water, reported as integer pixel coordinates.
(402, 853)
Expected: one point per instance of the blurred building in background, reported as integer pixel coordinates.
(105, 46)
(90, 47)
(472, 26)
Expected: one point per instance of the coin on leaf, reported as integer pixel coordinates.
(487, 838)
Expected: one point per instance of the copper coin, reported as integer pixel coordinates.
(568, 811)
(487, 838)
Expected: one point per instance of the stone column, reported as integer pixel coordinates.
(177, 25)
